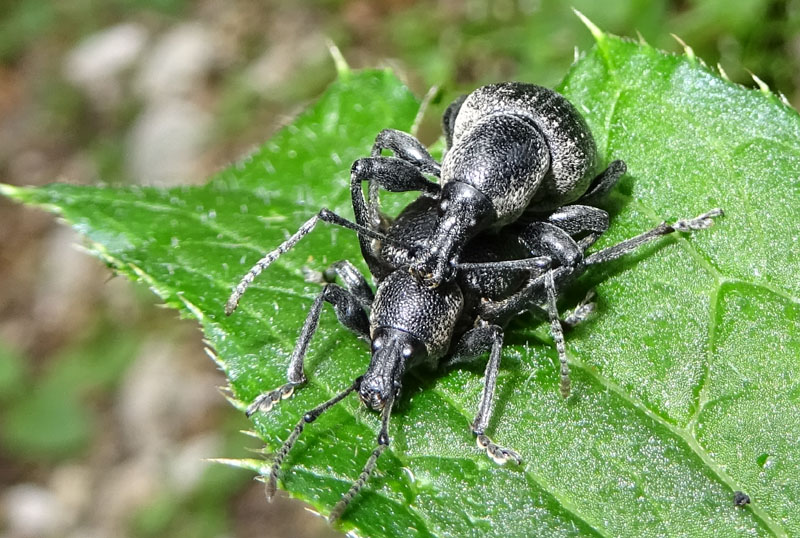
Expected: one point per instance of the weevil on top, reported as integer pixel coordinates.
(504, 231)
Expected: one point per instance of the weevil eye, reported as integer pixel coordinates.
(407, 351)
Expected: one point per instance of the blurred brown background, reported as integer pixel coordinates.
(93, 441)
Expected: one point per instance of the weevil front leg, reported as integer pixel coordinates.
(473, 344)
(390, 173)
(348, 304)
(407, 148)
(401, 173)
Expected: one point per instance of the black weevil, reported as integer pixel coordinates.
(484, 271)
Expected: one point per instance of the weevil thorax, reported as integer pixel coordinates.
(569, 142)
(410, 323)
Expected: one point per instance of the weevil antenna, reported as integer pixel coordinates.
(324, 215)
(308, 418)
(383, 443)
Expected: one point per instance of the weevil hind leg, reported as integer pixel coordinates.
(604, 182)
(700, 222)
(582, 311)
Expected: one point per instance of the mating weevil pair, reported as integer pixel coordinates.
(504, 231)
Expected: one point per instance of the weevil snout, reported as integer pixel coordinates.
(392, 351)
(376, 390)
(463, 211)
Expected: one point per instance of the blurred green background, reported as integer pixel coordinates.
(94, 440)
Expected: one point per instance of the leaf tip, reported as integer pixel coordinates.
(242, 463)
(642, 40)
(689, 51)
(342, 68)
(763, 86)
(596, 32)
(12, 191)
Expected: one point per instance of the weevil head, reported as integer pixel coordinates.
(392, 351)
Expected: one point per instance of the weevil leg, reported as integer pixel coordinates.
(535, 265)
(562, 234)
(401, 173)
(556, 324)
(700, 222)
(558, 333)
(392, 174)
(407, 148)
(350, 313)
(545, 239)
(547, 243)
(554, 239)
(471, 345)
(353, 281)
(449, 119)
(582, 311)
(583, 223)
(533, 294)
(604, 182)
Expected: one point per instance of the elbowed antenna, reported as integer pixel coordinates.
(383, 443)
(308, 418)
(325, 215)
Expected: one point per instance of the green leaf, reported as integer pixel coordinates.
(685, 384)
